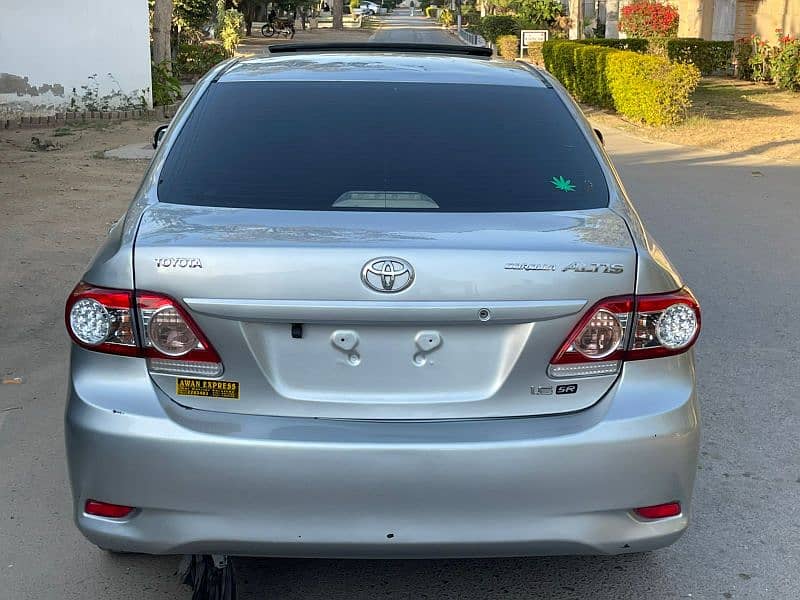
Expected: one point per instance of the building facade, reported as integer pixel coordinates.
(719, 19)
(62, 55)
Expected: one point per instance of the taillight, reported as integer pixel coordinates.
(103, 320)
(597, 343)
(662, 325)
(666, 324)
(172, 341)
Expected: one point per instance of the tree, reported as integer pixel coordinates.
(162, 30)
(337, 10)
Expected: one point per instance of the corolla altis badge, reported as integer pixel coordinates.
(387, 274)
(577, 267)
(529, 267)
(179, 263)
(580, 267)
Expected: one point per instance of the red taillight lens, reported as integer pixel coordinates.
(663, 325)
(104, 320)
(666, 324)
(659, 511)
(101, 319)
(104, 509)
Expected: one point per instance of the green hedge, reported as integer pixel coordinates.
(650, 88)
(581, 69)
(707, 55)
(634, 44)
(644, 88)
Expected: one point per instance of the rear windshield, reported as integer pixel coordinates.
(382, 146)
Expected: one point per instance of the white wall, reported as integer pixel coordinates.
(58, 44)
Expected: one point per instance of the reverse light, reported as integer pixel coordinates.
(661, 324)
(172, 341)
(101, 319)
(597, 343)
(666, 324)
(659, 511)
(104, 509)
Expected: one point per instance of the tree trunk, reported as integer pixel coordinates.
(337, 10)
(249, 16)
(162, 28)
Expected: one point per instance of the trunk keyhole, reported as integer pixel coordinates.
(297, 330)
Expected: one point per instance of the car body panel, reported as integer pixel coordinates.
(415, 478)
(207, 482)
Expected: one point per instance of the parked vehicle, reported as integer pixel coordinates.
(284, 27)
(370, 8)
(491, 357)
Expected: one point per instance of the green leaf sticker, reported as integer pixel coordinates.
(565, 185)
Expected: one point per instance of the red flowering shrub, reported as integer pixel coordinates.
(649, 18)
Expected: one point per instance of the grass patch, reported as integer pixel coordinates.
(734, 116)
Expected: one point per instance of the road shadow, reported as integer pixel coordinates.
(552, 578)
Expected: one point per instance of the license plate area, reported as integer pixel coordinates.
(387, 363)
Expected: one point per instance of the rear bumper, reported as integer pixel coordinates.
(208, 482)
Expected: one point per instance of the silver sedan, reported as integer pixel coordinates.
(437, 330)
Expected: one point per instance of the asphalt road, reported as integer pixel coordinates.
(402, 28)
(731, 226)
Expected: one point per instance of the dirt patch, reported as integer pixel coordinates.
(58, 197)
(730, 115)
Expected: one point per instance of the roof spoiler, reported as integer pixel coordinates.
(379, 47)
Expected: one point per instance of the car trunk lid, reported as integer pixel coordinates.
(281, 296)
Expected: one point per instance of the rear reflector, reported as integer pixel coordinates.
(659, 511)
(104, 509)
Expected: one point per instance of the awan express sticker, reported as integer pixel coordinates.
(207, 388)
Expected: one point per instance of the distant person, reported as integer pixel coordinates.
(411, 4)
(271, 16)
(326, 7)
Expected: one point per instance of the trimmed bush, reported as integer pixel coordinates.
(508, 46)
(493, 26)
(707, 55)
(633, 44)
(581, 69)
(196, 59)
(644, 88)
(650, 88)
(535, 53)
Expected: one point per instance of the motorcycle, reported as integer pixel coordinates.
(284, 27)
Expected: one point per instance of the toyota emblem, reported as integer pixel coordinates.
(387, 274)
